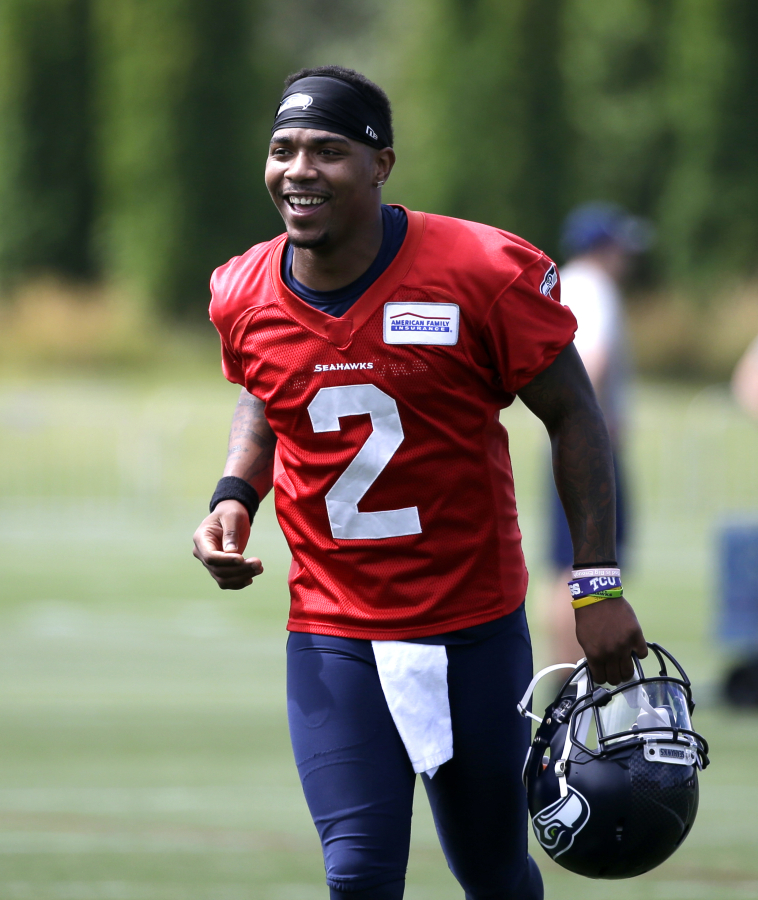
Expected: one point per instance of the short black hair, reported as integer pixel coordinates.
(373, 93)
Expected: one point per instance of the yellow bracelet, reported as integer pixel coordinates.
(588, 600)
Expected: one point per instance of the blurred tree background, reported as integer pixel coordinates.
(132, 132)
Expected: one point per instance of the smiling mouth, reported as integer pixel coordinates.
(304, 201)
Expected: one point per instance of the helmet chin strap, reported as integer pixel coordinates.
(582, 728)
(525, 700)
(522, 706)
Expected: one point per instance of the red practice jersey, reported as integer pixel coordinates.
(392, 478)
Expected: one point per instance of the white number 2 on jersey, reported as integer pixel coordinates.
(342, 501)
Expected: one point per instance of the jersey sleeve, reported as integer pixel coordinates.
(527, 326)
(223, 315)
(230, 365)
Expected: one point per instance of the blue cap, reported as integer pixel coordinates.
(592, 225)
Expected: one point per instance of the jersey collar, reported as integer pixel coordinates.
(339, 331)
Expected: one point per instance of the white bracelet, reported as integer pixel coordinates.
(592, 573)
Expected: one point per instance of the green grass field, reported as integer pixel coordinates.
(143, 744)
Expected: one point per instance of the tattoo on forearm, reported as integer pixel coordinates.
(583, 467)
(582, 457)
(251, 440)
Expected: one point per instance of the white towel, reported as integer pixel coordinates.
(414, 681)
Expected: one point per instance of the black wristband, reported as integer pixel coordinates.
(232, 488)
(605, 564)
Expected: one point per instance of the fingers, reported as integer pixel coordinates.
(620, 668)
(234, 579)
(235, 525)
(231, 540)
(226, 530)
(609, 632)
(218, 543)
(231, 571)
(598, 672)
(641, 649)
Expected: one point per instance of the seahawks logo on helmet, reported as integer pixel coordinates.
(558, 824)
(549, 281)
(303, 101)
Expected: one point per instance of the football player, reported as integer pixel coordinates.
(376, 347)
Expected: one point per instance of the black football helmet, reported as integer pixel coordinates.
(611, 775)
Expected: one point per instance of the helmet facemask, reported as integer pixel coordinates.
(653, 709)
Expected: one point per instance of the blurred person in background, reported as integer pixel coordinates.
(599, 242)
(741, 680)
(745, 380)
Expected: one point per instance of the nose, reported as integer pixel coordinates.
(301, 167)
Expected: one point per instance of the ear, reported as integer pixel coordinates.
(384, 160)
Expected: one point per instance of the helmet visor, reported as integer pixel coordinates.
(645, 707)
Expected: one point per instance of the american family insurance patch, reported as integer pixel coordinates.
(421, 323)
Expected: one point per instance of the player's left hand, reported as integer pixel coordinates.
(609, 633)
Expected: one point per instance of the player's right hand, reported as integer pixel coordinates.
(609, 633)
(220, 541)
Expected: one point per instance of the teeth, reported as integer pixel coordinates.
(306, 201)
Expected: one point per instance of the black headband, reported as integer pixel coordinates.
(331, 104)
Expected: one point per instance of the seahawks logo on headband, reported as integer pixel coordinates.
(331, 104)
(295, 101)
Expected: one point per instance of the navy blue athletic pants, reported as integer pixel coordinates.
(359, 783)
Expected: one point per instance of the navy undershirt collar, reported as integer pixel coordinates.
(337, 303)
